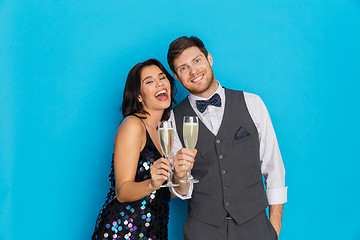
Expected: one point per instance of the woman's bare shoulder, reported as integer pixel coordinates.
(131, 127)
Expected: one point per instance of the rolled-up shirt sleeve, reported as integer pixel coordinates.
(176, 147)
(272, 167)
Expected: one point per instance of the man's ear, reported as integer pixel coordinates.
(210, 59)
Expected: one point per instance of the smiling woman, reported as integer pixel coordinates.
(131, 103)
(136, 206)
(155, 88)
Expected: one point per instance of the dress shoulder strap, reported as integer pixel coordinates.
(140, 119)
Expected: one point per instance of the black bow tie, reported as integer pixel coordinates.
(215, 100)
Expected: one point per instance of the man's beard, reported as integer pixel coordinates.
(200, 91)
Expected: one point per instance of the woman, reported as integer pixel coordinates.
(136, 206)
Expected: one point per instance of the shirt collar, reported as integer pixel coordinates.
(220, 90)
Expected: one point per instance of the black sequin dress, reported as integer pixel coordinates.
(146, 218)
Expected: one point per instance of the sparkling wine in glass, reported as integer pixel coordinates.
(166, 138)
(190, 134)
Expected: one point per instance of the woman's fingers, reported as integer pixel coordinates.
(158, 176)
(162, 163)
(159, 170)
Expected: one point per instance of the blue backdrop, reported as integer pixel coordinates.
(63, 66)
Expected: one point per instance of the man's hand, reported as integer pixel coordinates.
(275, 215)
(182, 160)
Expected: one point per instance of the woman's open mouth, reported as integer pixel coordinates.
(162, 95)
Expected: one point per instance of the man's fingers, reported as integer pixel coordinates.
(185, 157)
(183, 162)
(186, 162)
(187, 152)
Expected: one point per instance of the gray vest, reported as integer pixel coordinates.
(227, 165)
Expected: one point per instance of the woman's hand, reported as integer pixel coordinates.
(182, 160)
(159, 172)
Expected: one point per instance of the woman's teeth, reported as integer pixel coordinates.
(161, 92)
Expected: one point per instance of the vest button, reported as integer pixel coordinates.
(227, 203)
(226, 188)
(221, 156)
(223, 171)
(217, 141)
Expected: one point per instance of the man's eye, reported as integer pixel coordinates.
(183, 68)
(197, 60)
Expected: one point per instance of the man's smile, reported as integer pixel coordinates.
(198, 78)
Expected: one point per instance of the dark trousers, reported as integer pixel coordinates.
(257, 228)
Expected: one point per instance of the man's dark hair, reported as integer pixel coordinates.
(131, 105)
(179, 45)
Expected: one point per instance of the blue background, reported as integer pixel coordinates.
(63, 66)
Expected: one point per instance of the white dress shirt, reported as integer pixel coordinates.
(272, 167)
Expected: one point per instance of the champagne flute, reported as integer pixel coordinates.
(190, 134)
(166, 138)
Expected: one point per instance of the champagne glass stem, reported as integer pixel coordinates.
(189, 173)
(169, 175)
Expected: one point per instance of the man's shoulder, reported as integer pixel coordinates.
(246, 94)
(233, 91)
(249, 97)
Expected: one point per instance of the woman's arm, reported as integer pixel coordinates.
(129, 142)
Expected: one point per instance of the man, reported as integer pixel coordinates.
(236, 147)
